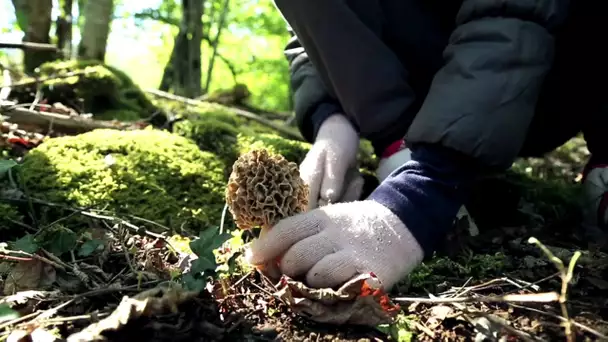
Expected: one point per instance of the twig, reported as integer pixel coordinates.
(545, 297)
(65, 122)
(29, 46)
(240, 112)
(34, 256)
(575, 323)
(495, 320)
(59, 320)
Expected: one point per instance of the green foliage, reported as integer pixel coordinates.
(478, 266)
(89, 246)
(27, 244)
(9, 213)
(151, 174)
(7, 314)
(205, 265)
(6, 166)
(401, 330)
(57, 239)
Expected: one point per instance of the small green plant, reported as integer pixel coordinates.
(566, 276)
(206, 264)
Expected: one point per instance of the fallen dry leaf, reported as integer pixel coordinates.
(29, 275)
(156, 301)
(438, 314)
(360, 301)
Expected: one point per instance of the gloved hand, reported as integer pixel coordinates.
(332, 155)
(352, 190)
(332, 244)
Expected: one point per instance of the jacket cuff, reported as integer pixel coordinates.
(427, 192)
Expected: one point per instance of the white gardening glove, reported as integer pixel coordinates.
(332, 155)
(595, 205)
(353, 188)
(332, 244)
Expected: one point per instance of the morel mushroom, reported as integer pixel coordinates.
(264, 188)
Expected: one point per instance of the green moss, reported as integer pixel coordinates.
(212, 136)
(94, 88)
(9, 213)
(155, 175)
(439, 269)
(294, 151)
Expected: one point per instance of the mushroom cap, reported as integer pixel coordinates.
(263, 189)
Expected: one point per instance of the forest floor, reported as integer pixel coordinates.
(447, 296)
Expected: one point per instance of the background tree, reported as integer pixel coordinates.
(97, 19)
(34, 19)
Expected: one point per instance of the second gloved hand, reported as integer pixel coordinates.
(332, 244)
(332, 156)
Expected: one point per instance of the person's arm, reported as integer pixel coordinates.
(313, 104)
(482, 100)
(476, 114)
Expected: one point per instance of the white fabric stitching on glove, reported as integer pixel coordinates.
(333, 153)
(334, 243)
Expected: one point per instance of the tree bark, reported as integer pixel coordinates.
(97, 19)
(183, 71)
(34, 19)
(190, 69)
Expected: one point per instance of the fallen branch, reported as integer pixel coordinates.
(29, 46)
(288, 133)
(61, 122)
(545, 297)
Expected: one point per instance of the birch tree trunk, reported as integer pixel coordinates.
(97, 20)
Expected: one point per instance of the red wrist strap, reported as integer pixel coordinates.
(394, 148)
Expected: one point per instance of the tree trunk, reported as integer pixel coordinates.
(182, 72)
(34, 19)
(190, 69)
(64, 29)
(97, 19)
(169, 80)
(216, 41)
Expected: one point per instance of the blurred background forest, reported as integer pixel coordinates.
(238, 41)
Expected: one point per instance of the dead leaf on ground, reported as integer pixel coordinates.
(29, 275)
(156, 301)
(24, 296)
(438, 314)
(360, 301)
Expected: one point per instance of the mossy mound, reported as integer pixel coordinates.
(89, 87)
(150, 174)
(217, 129)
